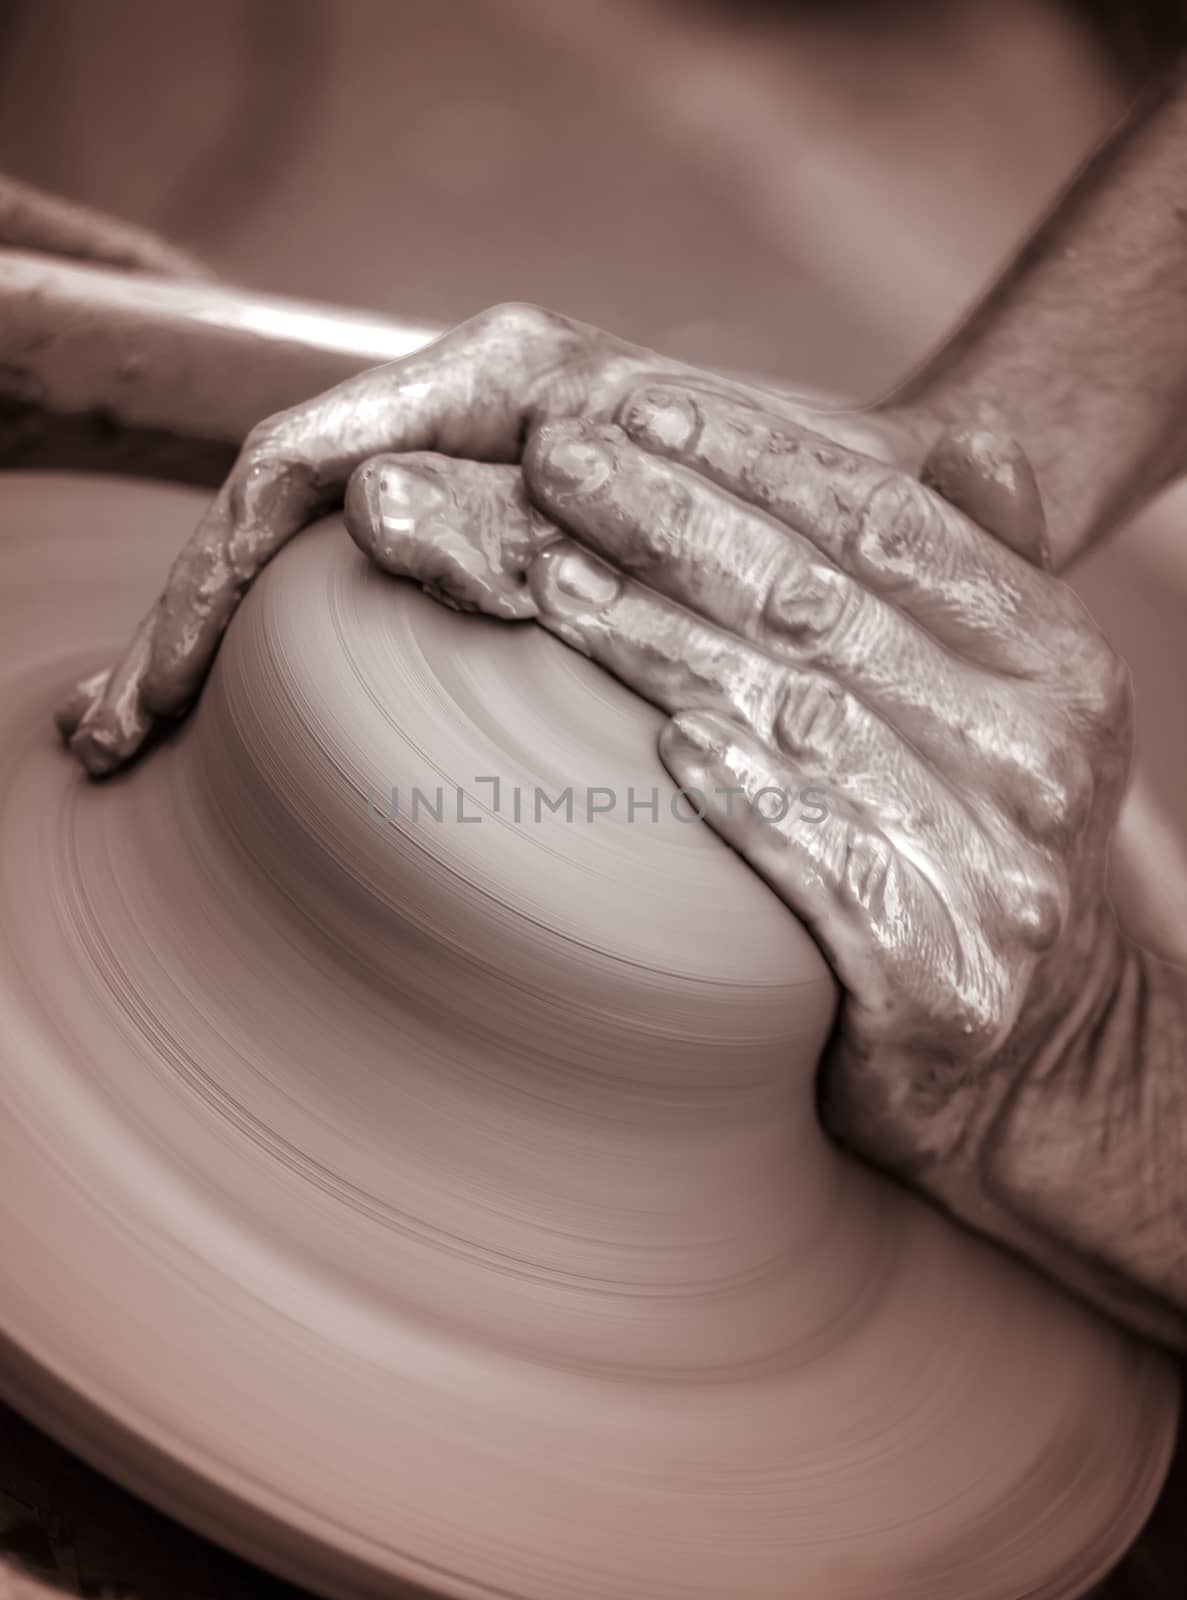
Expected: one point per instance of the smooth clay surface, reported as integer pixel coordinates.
(442, 1200)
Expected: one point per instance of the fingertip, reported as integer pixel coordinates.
(98, 750)
(569, 456)
(387, 498)
(359, 511)
(115, 727)
(661, 418)
(567, 582)
(742, 795)
(985, 473)
(750, 797)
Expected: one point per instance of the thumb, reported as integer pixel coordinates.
(985, 473)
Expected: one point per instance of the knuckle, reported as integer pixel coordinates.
(570, 458)
(1056, 790)
(263, 440)
(671, 518)
(518, 321)
(809, 607)
(1043, 917)
(894, 527)
(614, 370)
(1104, 687)
(765, 459)
(1034, 901)
(272, 450)
(1087, 673)
(811, 714)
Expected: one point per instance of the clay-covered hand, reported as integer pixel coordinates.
(813, 617)
(473, 394)
(919, 739)
(833, 636)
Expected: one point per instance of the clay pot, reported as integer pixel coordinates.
(432, 1189)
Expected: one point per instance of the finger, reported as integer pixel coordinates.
(300, 461)
(85, 694)
(833, 740)
(882, 527)
(774, 587)
(893, 924)
(472, 393)
(679, 662)
(116, 722)
(831, 866)
(986, 474)
(464, 530)
(659, 522)
(658, 649)
(467, 392)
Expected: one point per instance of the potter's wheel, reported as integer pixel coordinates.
(442, 1201)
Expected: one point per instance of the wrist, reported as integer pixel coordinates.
(1053, 1077)
(1083, 1157)
(1059, 1167)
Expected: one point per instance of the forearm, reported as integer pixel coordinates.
(1087, 1153)
(1080, 348)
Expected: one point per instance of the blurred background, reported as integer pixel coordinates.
(809, 190)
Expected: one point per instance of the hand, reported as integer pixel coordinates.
(475, 393)
(815, 619)
(811, 609)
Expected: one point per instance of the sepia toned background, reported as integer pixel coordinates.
(813, 191)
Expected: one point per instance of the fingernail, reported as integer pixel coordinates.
(404, 494)
(577, 464)
(662, 420)
(392, 496)
(563, 578)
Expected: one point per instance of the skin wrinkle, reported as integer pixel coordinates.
(998, 984)
(1119, 1052)
(782, 493)
(886, 677)
(467, 534)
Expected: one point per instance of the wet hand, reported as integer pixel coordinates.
(475, 394)
(814, 618)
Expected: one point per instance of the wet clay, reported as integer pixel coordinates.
(431, 1190)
